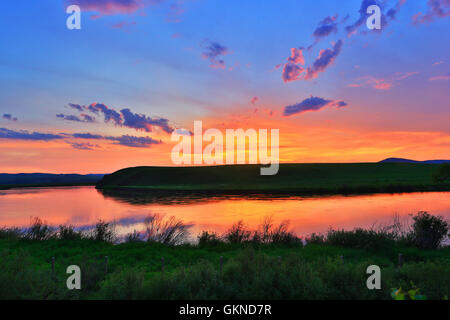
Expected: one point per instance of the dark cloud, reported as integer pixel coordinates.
(292, 72)
(213, 52)
(326, 27)
(87, 136)
(312, 104)
(110, 115)
(76, 106)
(135, 142)
(125, 140)
(436, 9)
(9, 117)
(83, 145)
(25, 135)
(142, 122)
(323, 61)
(82, 118)
(124, 118)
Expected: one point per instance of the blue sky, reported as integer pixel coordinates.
(152, 61)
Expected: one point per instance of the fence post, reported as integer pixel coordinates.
(106, 265)
(162, 265)
(53, 265)
(221, 264)
(400, 260)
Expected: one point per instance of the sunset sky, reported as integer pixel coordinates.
(109, 95)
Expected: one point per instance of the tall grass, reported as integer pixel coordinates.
(267, 233)
(170, 231)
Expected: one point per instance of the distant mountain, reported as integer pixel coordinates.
(401, 160)
(48, 179)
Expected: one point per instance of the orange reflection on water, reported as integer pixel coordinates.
(84, 206)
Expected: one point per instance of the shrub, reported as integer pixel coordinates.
(316, 238)
(39, 230)
(209, 239)
(428, 231)
(167, 231)
(104, 232)
(237, 233)
(133, 237)
(68, 233)
(360, 238)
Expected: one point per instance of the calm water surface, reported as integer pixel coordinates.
(84, 206)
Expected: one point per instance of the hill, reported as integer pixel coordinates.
(291, 178)
(46, 179)
(401, 160)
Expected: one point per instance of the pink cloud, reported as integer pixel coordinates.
(254, 100)
(436, 9)
(443, 77)
(382, 83)
(111, 7)
(296, 56)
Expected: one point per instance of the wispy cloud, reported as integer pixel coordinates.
(26, 135)
(82, 118)
(254, 100)
(312, 104)
(83, 145)
(435, 9)
(214, 51)
(382, 83)
(8, 116)
(442, 77)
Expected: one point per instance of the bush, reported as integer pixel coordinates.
(39, 230)
(209, 239)
(237, 233)
(104, 232)
(360, 238)
(68, 233)
(133, 237)
(428, 231)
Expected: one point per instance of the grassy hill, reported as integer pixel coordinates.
(291, 178)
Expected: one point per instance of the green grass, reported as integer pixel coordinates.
(291, 178)
(249, 271)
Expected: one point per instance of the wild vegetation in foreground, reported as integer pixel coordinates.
(269, 263)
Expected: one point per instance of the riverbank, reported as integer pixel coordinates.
(299, 179)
